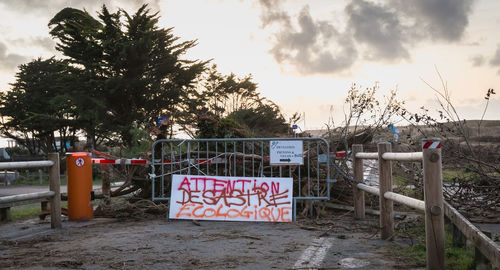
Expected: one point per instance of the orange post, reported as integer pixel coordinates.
(79, 170)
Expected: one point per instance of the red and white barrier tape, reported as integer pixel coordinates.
(432, 145)
(340, 153)
(194, 161)
(119, 161)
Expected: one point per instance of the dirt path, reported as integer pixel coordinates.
(160, 244)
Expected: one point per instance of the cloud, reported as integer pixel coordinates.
(390, 29)
(9, 61)
(38, 41)
(495, 61)
(477, 60)
(439, 19)
(378, 28)
(272, 13)
(53, 6)
(313, 46)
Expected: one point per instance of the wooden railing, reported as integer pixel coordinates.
(53, 195)
(433, 205)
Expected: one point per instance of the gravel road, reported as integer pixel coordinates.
(332, 243)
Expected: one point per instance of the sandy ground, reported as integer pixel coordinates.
(336, 243)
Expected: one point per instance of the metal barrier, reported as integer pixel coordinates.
(247, 157)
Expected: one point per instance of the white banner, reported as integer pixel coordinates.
(231, 198)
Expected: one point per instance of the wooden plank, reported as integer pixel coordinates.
(367, 155)
(433, 197)
(359, 195)
(25, 164)
(369, 189)
(408, 201)
(44, 205)
(415, 156)
(5, 214)
(17, 203)
(55, 187)
(106, 182)
(385, 182)
(26, 197)
(487, 247)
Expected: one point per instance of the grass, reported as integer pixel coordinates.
(451, 175)
(399, 180)
(25, 211)
(34, 180)
(28, 211)
(457, 258)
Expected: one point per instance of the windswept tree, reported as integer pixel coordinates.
(133, 70)
(40, 105)
(229, 106)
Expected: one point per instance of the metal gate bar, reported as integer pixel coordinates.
(241, 157)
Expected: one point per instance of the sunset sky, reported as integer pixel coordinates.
(305, 54)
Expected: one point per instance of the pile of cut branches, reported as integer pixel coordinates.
(127, 209)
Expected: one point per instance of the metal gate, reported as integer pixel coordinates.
(247, 157)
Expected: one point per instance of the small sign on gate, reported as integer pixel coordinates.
(231, 198)
(286, 153)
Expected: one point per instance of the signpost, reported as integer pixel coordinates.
(286, 153)
(203, 197)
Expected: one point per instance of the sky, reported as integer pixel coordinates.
(305, 55)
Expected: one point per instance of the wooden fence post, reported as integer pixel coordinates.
(359, 195)
(434, 209)
(55, 185)
(5, 215)
(44, 205)
(385, 182)
(40, 176)
(106, 183)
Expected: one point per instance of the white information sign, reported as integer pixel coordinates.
(231, 198)
(286, 153)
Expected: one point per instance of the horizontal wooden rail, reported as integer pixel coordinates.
(26, 197)
(369, 189)
(482, 242)
(54, 195)
(411, 202)
(416, 156)
(25, 164)
(364, 155)
(408, 201)
(432, 206)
